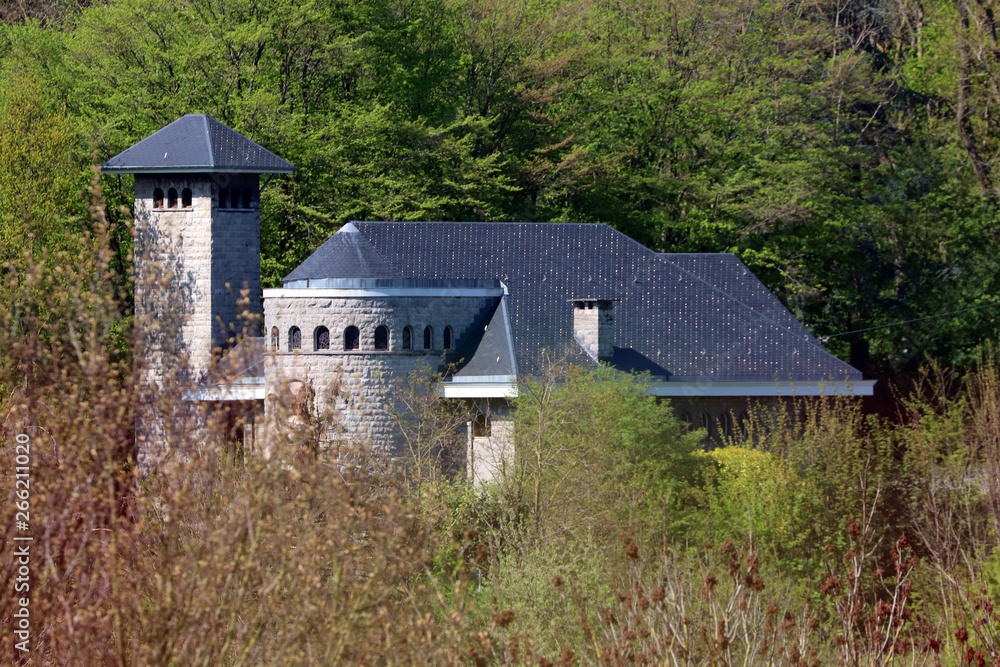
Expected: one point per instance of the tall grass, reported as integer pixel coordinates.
(831, 538)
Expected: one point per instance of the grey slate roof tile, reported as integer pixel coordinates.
(196, 143)
(488, 350)
(726, 272)
(347, 254)
(694, 317)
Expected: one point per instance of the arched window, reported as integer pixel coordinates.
(246, 198)
(407, 338)
(294, 339)
(186, 197)
(428, 338)
(686, 419)
(223, 198)
(275, 338)
(351, 338)
(234, 201)
(381, 338)
(725, 425)
(743, 424)
(321, 339)
(447, 338)
(157, 198)
(705, 420)
(172, 198)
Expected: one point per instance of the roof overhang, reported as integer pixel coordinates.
(192, 170)
(702, 388)
(481, 386)
(347, 293)
(255, 390)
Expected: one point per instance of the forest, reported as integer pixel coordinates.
(845, 150)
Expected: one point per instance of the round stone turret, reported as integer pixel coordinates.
(346, 322)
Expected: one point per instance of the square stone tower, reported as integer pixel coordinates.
(197, 244)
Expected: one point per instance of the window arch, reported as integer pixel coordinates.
(706, 425)
(223, 198)
(321, 338)
(428, 338)
(743, 424)
(234, 201)
(172, 198)
(381, 338)
(275, 338)
(407, 338)
(247, 197)
(725, 425)
(448, 336)
(352, 338)
(294, 339)
(186, 197)
(158, 198)
(686, 420)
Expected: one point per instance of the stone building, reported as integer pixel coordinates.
(482, 302)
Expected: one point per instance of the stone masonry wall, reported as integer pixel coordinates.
(210, 250)
(719, 413)
(173, 249)
(355, 387)
(176, 242)
(489, 458)
(594, 328)
(184, 257)
(235, 259)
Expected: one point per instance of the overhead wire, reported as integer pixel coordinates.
(918, 319)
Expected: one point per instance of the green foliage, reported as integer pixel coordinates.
(527, 583)
(41, 175)
(844, 152)
(594, 452)
(757, 498)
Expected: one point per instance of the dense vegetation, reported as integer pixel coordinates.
(613, 538)
(846, 150)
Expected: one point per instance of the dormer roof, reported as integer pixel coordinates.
(196, 143)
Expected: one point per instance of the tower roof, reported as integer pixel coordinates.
(196, 143)
(347, 254)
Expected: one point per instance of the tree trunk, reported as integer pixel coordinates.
(965, 130)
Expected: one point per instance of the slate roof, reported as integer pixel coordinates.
(347, 254)
(725, 272)
(488, 350)
(683, 316)
(196, 143)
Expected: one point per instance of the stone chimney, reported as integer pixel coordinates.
(594, 327)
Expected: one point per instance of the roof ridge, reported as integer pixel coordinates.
(716, 288)
(208, 138)
(478, 222)
(509, 334)
(661, 256)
